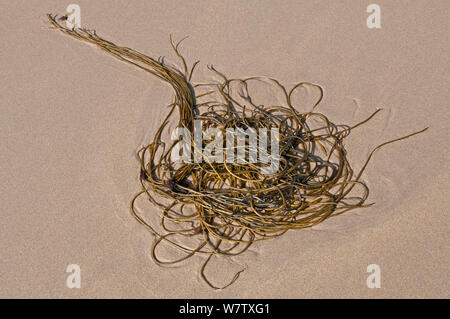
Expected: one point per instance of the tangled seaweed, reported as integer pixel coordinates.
(233, 205)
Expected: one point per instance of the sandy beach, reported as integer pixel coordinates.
(73, 118)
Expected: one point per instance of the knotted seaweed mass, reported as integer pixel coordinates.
(229, 206)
